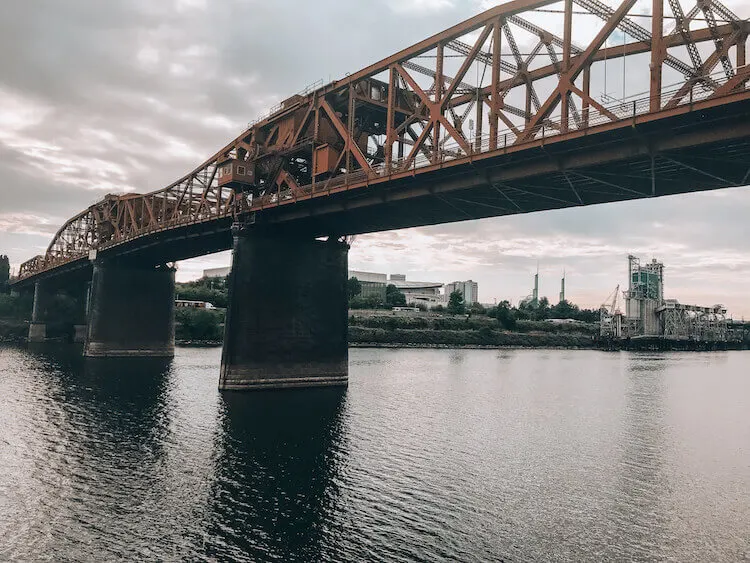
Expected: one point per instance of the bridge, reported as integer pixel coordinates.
(498, 115)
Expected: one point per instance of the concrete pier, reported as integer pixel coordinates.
(131, 312)
(79, 333)
(287, 320)
(38, 324)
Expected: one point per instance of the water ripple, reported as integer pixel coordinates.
(428, 456)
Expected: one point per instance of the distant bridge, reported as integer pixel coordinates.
(464, 125)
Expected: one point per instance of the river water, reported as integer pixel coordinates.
(429, 455)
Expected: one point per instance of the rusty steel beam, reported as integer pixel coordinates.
(609, 53)
(566, 80)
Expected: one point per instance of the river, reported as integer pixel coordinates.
(429, 455)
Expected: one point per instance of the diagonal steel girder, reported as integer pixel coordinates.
(535, 29)
(468, 87)
(571, 104)
(521, 64)
(604, 12)
(683, 27)
(718, 41)
(465, 48)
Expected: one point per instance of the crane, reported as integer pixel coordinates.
(610, 316)
(610, 304)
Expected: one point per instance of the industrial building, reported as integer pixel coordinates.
(469, 289)
(217, 272)
(648, 315)
(418, 293)
(373, 285)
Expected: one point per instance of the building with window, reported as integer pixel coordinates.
(373, 285)
(469, 289)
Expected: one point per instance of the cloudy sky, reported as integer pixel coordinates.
(99, 97)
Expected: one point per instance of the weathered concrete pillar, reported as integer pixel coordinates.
(131, 312)
(287, 320)
(38, 324)
(80, 331)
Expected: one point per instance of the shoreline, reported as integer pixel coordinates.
(426, 346)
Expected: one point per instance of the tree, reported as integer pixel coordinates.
(534, 310)
(394, 297)
(543, 309)
(4, 273)
(564, 310)
(353, 287)
(456, 303)
(505, 315)
(211, 290)
(477, 309)
(198, 324)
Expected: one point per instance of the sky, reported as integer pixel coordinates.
(128, 95)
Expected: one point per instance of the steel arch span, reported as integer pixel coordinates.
(502, 98)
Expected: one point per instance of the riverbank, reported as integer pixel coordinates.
(384, 346)
(484, 337)
(363, 337)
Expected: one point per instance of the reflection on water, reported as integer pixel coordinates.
(641, 504)
(276, 465)
(428, 455)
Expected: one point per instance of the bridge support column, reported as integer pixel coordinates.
(38, 325)
(131, 312)
(287, 318)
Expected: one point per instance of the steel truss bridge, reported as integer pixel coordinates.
(495, 116)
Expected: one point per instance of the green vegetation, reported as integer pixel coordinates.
(205, 325)
(564, 310)
(354, 288)
(499, 327)
(16, 307)
(15, 310)
(365, 303)
(210, 290)
(456, 303)
(394, 297)
(389, 321)
(482, 337)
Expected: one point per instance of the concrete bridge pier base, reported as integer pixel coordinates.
(79, 334)
(131, 312)
(38, 325)
(287, 318)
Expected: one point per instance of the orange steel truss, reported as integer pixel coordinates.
(498, 82)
